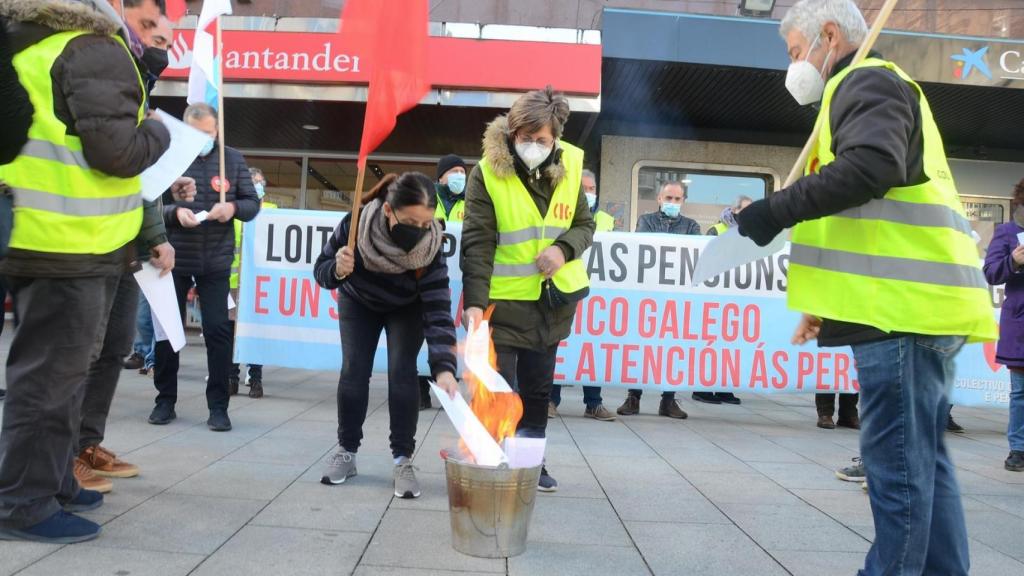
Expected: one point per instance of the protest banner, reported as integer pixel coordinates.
(643, 325)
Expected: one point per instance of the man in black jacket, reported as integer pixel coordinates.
(205, 246)
(64, 295)
(862, 272)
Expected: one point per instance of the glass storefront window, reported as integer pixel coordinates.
(284, 179)
(708, 191)
(985, 214)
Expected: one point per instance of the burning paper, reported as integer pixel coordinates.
(489, 422)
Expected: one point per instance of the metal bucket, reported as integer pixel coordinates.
(490, 508)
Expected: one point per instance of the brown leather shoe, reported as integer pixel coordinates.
(851, 422)
(671, 409)
(630, 407)
(89, 480)
(103, 462)
(826, 422)
(599, 412)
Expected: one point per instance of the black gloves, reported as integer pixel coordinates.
(757, 223)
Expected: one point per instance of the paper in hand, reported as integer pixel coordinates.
(485, 450)
(1020, 238)
(730, 250)
(202, 216)
(186, 143)
(163, 302)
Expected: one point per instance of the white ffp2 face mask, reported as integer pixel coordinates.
(805, 82)
(532, 154)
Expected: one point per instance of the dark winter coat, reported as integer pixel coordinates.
(1000, 269)
(210, 247)
(876, 138)
(97, 95)
(516, 323)
(16, 112)
(659, 223)
(384, 293)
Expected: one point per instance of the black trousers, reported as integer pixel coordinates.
(213, 302)
(531, 373)
(62, 322)
(826, 404)
(360, 332)
(105, 371)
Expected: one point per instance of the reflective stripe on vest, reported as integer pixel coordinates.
(61, 205)
(523, 233)
(902, 263)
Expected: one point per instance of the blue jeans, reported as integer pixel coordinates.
(1015, 430)
(591, 395)
(144, 344)
(915, 500)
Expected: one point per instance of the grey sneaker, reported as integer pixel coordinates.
(340, 467)
(853, 473)
(546, 483)
(406, 485)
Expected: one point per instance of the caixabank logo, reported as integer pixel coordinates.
(970, 61)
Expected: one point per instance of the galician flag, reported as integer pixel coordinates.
(204, 76)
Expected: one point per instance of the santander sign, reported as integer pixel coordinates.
(451, 62)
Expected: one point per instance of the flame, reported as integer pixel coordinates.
(499, 412)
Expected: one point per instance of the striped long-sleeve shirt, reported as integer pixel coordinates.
(385, 293)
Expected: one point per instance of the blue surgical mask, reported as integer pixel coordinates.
(260, 189)
(669, 209)
(456, 182)
(591, 200)
(207, 148)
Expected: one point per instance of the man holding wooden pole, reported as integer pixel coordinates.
(882, 260)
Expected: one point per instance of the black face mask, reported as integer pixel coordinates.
(407, 236)
(156, 60)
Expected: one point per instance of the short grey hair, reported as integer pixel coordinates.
(199, 111)
(588, 174)
(535, 110)
(810, 16)
(254, 172)
(740, 200)
(680, 183)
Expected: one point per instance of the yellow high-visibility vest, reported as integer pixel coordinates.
(604, 221)
(523, 233)
(61, 205)
(902, 263)
(236, 264)
(720, 228)
(456, 214)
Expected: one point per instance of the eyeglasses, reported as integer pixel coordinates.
(544, 142)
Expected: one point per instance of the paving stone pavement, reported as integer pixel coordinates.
(746, 490)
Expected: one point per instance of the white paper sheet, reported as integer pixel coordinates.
(485, 450)
(163, 301)
(202, 216)
(730, 250)
(186, 143)
(231, 302)
(525, 452)
(477, 359)
(1020, 237)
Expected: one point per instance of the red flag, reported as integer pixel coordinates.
(175, 10)
(390, 37)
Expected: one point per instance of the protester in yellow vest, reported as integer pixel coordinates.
(603, 221)
(728, 218)
(77, 212)
(594, 404)
(882, 259)
(451, 186)
(527, 224)
(255, 380)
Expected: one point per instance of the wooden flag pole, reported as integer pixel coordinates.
(220, 108)
(357, 201)
(862, 53)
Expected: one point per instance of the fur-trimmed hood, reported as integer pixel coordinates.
(96, 16)
(499, 155)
